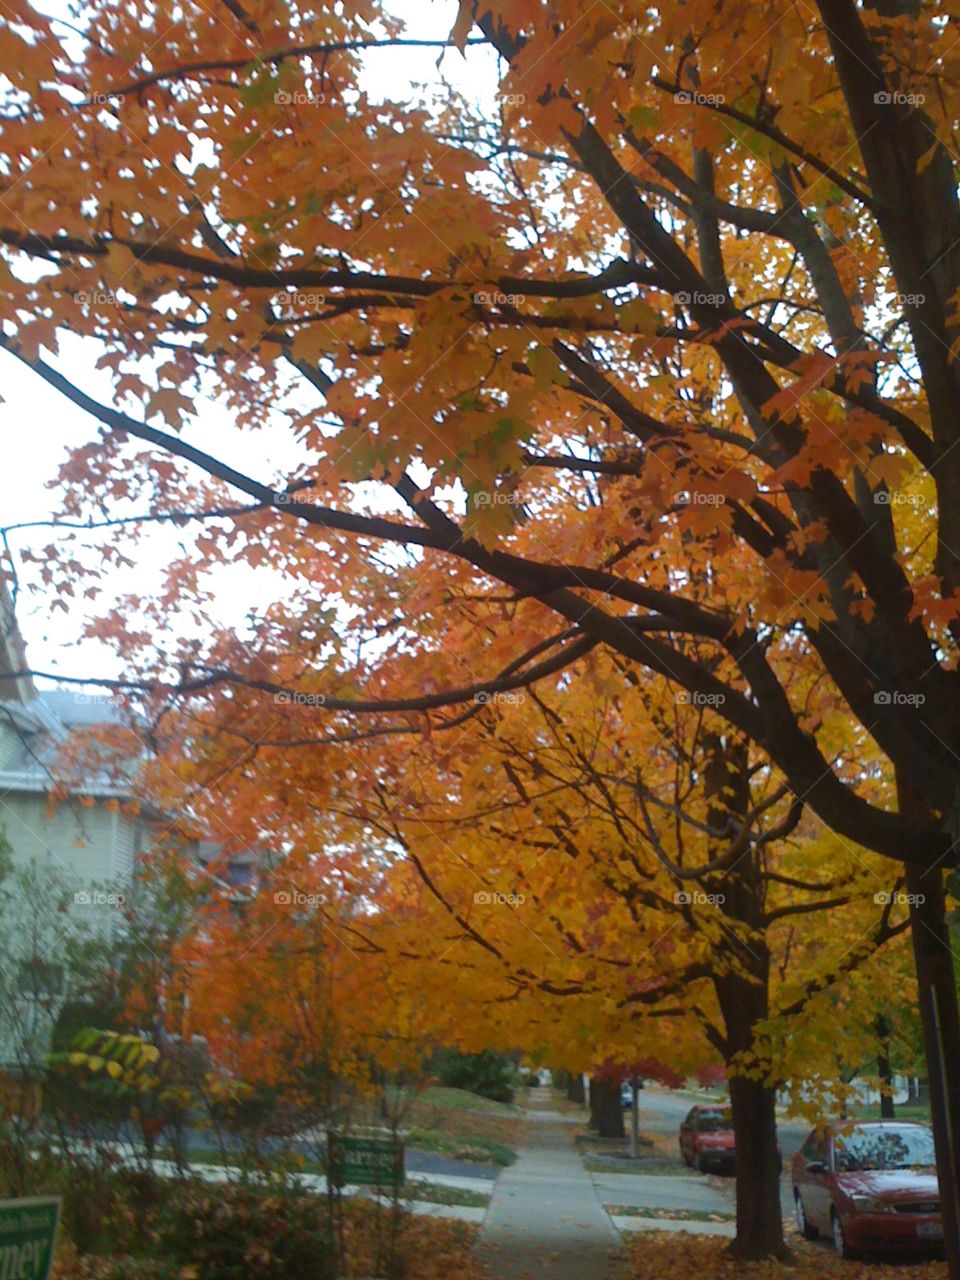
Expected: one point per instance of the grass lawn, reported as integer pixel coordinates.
(662, 1167)
(905, 1111)
(672, 1215)
(459, 1147)
(434, 1193)
(462, 1126)
(560, 1102)
(415, 1188)
(213, 1156)
(439, 1095)
(656, 1153)
(450, 1122)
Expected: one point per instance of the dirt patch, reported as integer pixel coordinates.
(612, 1155)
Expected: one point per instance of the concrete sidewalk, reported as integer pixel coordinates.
(653, 1191)
(545, 1221)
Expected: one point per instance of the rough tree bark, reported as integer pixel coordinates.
(888, 1110)
(743, 995)
(575, 1089)
(606, 1113)
(939, 1013)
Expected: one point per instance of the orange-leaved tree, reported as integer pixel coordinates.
(648, 343)
(587, 883)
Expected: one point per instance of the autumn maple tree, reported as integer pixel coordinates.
(647, 347)
(597, 885)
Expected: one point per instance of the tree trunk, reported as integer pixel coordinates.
(575, 1090)
(753, 1103)
(606, 1113)
(940, 1017)
(884, 1071)
(743, 993)
(759, 1219)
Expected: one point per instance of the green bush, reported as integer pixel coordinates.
(230, 1232)
(488, 1074)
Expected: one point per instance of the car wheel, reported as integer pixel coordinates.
(803, 1226)
(840, 1246)
(701, 1164)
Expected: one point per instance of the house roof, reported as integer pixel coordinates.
(43, 721)
(43, 728)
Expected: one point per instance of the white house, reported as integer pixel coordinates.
(74, 836)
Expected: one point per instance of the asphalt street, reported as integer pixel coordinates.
(660, 1110)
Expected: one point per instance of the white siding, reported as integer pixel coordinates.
(78, 846)
(68, 836)
(11, 742)
(126, 846)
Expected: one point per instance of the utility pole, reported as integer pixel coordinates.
(634, 1123)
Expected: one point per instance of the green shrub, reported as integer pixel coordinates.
(230, 1232)
(488, 1074)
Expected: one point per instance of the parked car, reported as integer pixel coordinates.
(870, 1186)
(706, 1139)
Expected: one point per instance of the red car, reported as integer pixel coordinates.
(870, 1187)
(706, 1139)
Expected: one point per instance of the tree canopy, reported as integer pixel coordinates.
(635, 364)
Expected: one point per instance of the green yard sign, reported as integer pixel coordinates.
(370, 1160)
(28, 1233)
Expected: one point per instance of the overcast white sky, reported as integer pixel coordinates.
(38, 426)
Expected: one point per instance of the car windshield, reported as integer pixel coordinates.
(714, 1121)
(886, 1148)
